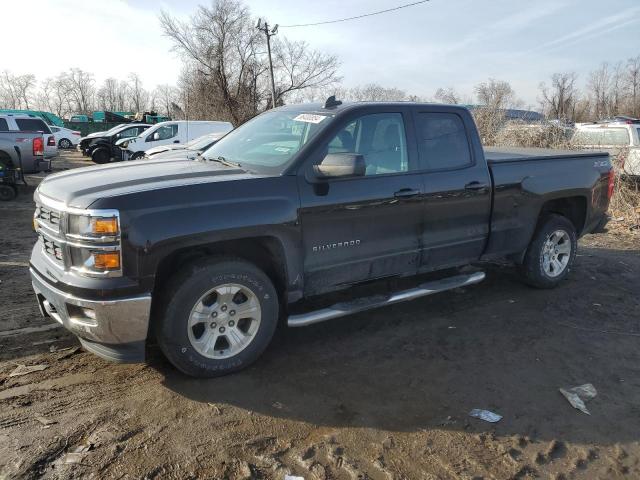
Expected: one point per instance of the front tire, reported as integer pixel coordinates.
(137, 156)
(101, 157)
(221, 316)
(551, 253)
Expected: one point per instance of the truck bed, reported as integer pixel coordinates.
(496, 155)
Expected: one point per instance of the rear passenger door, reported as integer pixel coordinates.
(457, 201)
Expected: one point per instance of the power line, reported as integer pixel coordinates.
(356, 17)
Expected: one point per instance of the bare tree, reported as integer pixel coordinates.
(81, 89)
(598, 87)
(54, 96)
(107, 95)
(225, 67)
(616, 90)
(372, 92)
(496, 94)
(559, 99)
(166, 96)
(297, 67)
(221, 45)
(16, 90)
(632, 83)
(138, 96)
(448, 95)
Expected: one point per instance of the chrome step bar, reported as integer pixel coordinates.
(367, 303)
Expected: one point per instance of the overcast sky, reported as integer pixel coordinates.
(418, 49)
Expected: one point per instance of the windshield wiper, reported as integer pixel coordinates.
(226, 162)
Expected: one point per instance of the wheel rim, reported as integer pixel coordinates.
(64, 143)
(556, 253)
(224, 321)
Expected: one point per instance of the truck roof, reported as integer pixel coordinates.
(318, 106)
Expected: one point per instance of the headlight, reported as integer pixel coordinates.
(86, 227)
(94, 243)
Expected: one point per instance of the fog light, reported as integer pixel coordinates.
(89, 312)
(107, 260)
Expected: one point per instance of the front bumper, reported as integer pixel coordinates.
(112, 329)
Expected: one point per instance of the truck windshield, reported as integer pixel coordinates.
(269, 141)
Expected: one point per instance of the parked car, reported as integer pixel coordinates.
(31, 123)
(65, 137)
(615, 137)
(189, 149)
(84, 142)
(167, 133)
(103, 149)
(205, 257)
(31, 146)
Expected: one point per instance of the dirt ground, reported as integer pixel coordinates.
(378, 395)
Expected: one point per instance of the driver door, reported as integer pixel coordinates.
(363, 228)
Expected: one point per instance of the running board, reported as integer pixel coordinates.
(367, 303)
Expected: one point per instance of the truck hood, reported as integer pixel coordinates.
(80, 187)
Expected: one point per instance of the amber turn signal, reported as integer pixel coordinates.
(106, 261)
(105, 226)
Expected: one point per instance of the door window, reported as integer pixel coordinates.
(442, 141)
(128, 133)
(380, 138)
(3, 125)
(163, 133)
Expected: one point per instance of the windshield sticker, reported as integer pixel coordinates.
(309, 118)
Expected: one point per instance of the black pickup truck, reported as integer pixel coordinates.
(205, 256)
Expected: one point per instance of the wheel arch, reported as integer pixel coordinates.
(265, 252)
(574, 208)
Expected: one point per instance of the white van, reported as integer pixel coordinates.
(165, 133)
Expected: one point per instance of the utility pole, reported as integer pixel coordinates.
(264, 27)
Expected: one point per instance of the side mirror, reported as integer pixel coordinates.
(339, 165)
(156, 136)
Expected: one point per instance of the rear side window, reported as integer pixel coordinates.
(4, 127)
(32, 125)
(602, 136)
(442, 141)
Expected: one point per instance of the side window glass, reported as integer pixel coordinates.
(167, 131)
(442, 141)
(4, 127)
(380, 138)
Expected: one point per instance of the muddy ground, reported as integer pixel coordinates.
(379, 395)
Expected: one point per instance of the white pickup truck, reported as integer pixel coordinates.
(620, 138)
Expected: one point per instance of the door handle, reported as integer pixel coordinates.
(176, 141)
(406, 193)
(477, 186)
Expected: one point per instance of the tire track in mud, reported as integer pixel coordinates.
(76, 399)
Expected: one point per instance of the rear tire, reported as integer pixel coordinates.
(137, 156)
(7, 192)
(65, 144)
(101, 157)
(551, 253)
(220, 317)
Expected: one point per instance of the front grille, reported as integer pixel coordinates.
(49, 217)
(52, 248)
